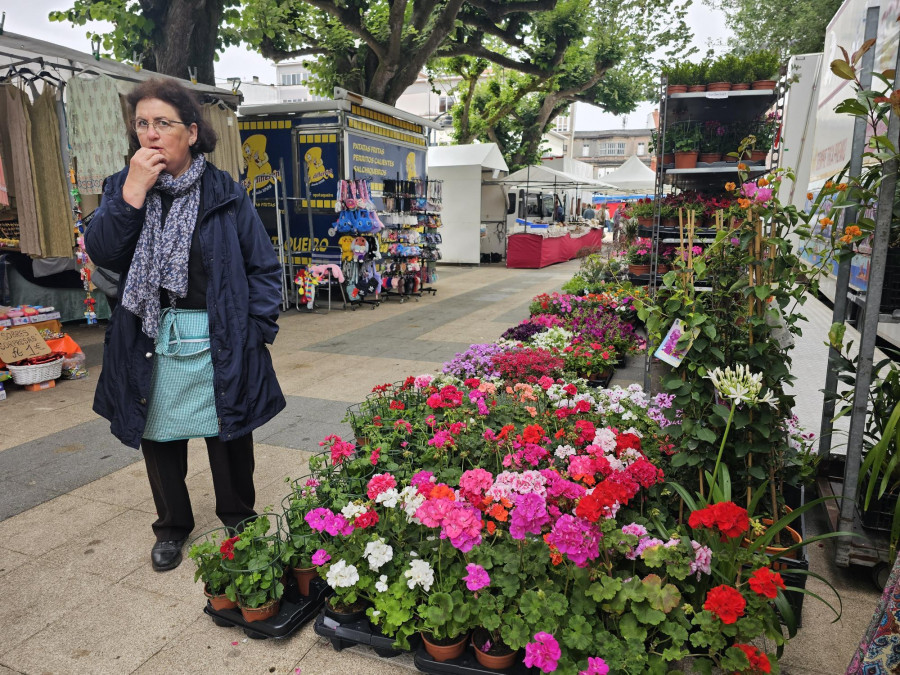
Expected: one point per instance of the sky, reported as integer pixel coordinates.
(708, 24)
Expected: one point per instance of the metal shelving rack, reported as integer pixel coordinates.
(702, 107)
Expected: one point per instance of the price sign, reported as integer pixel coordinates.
(21, 343)
(717, 94)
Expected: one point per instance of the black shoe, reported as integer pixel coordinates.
(166, 555)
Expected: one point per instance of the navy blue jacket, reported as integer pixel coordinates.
(243, 299)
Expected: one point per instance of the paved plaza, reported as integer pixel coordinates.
(78, 592)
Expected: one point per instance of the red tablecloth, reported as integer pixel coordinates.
(532, 251)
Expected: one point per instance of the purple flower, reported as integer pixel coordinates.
(476, 579)
(474, 362)
(596, 666)
(317, 518)
(528, 516)
(577, 538)
(543, 653)
(320, 557)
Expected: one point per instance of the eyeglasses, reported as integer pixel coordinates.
(162, 126)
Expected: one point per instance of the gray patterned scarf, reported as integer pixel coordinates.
(161, 257)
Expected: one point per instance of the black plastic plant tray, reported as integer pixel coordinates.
(465, 665)
(359, 632)
(602, 383)
(295, 612)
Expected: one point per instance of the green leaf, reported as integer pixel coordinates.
(843, 70)
(578, 633)
(706, 434)
(605, 589)
(631, 630)
(663, 598)
(557, 604)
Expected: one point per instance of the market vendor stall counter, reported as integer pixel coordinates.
(533, 251)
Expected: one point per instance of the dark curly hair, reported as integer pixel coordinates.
(183, 100)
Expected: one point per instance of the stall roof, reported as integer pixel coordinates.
(68, 61)
(485, 155)
(632, 176)
(547, 177)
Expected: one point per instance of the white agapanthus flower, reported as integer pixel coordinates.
(378, 553)
(389, 498)
(352, 510)
(419, 573)
(381, 585)
(341, 575)
(740, 385)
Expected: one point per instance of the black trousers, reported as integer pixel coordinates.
(232, 467)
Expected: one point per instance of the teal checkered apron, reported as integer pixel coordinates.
(182, 393)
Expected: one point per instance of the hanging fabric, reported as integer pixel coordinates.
(4, 191)
(51, 188)
(17, 113)
(227, 155)
(97, 132)
(6, 153)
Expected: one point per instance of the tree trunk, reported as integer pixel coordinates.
(184, 37)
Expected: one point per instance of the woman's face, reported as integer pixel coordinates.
(174, 141)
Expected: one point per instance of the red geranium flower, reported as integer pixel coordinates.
(766, 582)
(759, 662)
(627, 442)
(367, 519)
(725, 602)
(227, 548)
(727, 517)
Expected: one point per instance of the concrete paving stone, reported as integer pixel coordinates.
(112, 550)
(115, 632)
(321, 659)
(64, 518)
(204, 648)
(303, 423)
(11, 560)
(177, 584)
(126, 487)
(35, 596)
(56, 464)
(6, 671)
(32, 428)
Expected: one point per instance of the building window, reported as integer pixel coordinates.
(585, 150)
(561, 124)
(641, 149)
(446, 103)
(616, 148)
(285, 78)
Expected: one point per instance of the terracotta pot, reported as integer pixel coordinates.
(445, 652)
(494, 662)
(361, 441)
(303, 575)
(645, 222)
(730, 159)
(662, 269)
(718, 86)
(778, 551)
(669, 222)
(763, 84)
(696, 88)
(266, 611)
(677, 88)
(668, 158)
(710, 157)
(219, 602)
(740, 86)
(638, 269)
(686, 160)
(758, 155)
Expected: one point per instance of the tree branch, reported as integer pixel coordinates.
(499, 9)
(477, 50)
(509, 34)
(395, 20)
(351, 21)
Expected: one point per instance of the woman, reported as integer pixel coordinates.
(185, 352)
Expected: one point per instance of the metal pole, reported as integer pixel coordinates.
(878, 262)
(843, 278)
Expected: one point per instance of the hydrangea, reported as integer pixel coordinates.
(420, 574)
(341, 575)
(378, 553)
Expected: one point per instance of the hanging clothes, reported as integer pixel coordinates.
(4, 191)
(97, 131)
(6, 155)
(227, 155)
(17, 112)
(50, 187)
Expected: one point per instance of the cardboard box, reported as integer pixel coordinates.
(49, 384)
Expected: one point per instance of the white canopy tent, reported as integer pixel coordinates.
(632, 176)
(544, 176)
(470, 199)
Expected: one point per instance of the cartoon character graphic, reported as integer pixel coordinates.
(256, 160)
(411, 173)
(315, 167)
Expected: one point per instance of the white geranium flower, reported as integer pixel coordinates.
(606, 439)
(381, 585)
(411, 500)
(352, 510)
(564, 451)
(419, 573)
(740, 385)
(378, 553)
(342, 575)
(389, 498)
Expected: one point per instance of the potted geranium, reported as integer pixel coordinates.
(590, 360)
(686, 141)
(301, 542)
(712, 134)
(206, 553)
(253, 560)
(765, 133)
(644, 210)
(638, 256)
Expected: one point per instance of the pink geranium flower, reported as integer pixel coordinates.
(477, 578)
(543, 653)
(320, 557)
(596, 666)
